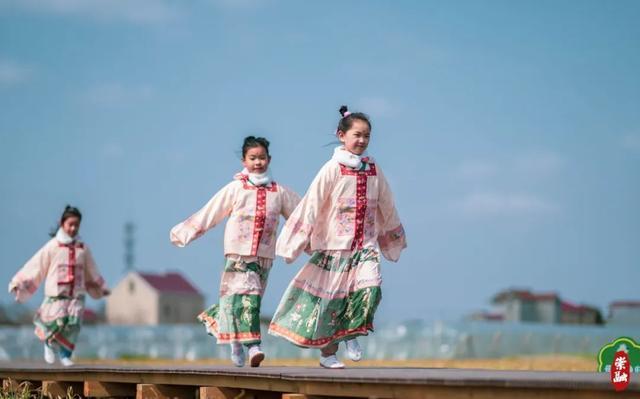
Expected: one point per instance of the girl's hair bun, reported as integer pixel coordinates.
(343, 110)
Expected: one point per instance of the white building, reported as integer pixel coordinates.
(147, 298)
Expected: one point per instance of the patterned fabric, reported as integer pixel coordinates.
(237, 317)
(334, 297)
(67, 270)
(58, 322)
(253, 213)
(344, 209)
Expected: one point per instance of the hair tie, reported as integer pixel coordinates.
(347, 113)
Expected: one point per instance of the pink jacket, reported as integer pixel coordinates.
(344, 209)
(253, 217)
(68, 270)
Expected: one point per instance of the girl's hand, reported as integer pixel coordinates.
(14, 292)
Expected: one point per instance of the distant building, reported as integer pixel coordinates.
(147, 298)
(485, 316)
(579, 314)
(624, 312)
(90, 316)
(526, 306)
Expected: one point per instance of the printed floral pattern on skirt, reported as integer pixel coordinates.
(237, 317)
(334, 297)
(58, 321)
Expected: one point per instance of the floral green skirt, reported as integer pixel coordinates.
(334, 297)
(236, 318)
(58, 322)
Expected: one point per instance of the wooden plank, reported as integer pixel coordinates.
(355, 382)
(61, 389)
(301, 396)
(219, 393)
(364, 390)
(233, 393)
(284, 379)
(99, 389)
(161, 391)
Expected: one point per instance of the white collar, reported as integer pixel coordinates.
(64, 238)
(257, 179)
(350, 159)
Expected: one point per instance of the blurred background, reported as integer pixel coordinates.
(509, 132)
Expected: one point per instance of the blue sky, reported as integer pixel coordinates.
(509, 131)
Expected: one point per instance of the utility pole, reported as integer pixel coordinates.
(129, 246)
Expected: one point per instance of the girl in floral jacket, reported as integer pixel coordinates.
(253, 202)
(69, 271)
(345, 220)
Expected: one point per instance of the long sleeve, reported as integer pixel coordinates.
(296, 234)
(28, 279)
(391, 237)
(290, 200)
(94, 283)
(218, 207)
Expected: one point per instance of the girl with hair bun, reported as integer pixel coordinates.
(253, 203)
(69, 271)
(347, 219)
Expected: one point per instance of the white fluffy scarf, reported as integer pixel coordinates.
(350, 159)
(256, 179)
(64, 238)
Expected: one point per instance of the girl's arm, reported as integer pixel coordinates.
(94, 283)
(290, 199)
(212, 213)
(28, 279)
(391, 237)
(296, 233)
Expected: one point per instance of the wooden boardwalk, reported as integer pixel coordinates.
(306, 382)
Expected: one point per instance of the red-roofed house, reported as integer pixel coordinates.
(150, 298)
(89, 316)
(624, 312)
(579, 314)
(548, 307)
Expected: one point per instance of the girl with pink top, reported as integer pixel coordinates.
(69, 271)
(346, 220)
(253, 203)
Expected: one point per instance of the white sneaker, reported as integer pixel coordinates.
(49, 354)
(237, 354)
(66, 361)
(331, 362)
(354, 351)
(256, 355)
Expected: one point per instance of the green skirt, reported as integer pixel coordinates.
(58, 322)
(236, 318)
(334, 297)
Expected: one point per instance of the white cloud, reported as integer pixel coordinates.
(476, 170)
(12, 73)
(539, 163)
(238, 3)
(117, 94)
(112, 151)
(519, 167)
(132, 11)
(508, 173)
(631, 142)
(493, 203)
(375, 106)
